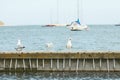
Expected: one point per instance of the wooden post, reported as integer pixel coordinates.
(84, 63)
(114, 63)
(108, 68)
(43, 63)
(4, 64)
(37, 63)
(51, 64)
(64, 63)
(57, 63)
(24, 64)
(100, 63)
(69, 63)
(10, 63)
(30, 64)
(15, 64)
(77, 65)
(93, 64)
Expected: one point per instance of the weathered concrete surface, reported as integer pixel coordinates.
(60, 55)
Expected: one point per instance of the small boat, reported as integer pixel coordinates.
(76, 26)
(1, 23)
(117, 24)
(79, 28)
(54, 25)
(49, 25)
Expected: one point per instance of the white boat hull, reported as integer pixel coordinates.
(79, 28)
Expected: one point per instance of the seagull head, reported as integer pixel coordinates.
(69, 39)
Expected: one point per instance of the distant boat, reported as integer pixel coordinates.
(76, 25)
(49, 25)
(54, 25)
(117, 24)
(1, 23)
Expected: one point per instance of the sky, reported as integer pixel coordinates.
(39, 12)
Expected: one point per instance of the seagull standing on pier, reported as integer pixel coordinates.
(69, 44)
(20, 47)
(49, 45)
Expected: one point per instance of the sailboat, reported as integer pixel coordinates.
(76, 25)
(57, 19)
(50, 25)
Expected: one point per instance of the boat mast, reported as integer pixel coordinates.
(82, 11)
(50, 16)
(78, 9)
(80, 15)
(57, 11)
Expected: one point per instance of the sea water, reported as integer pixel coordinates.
(34, 38)
(60, 76)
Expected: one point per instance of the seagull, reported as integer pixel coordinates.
(20, 47)
(69, 44)
(49, 45)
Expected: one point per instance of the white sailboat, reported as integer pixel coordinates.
(76, 25)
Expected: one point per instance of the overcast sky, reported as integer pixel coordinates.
(36, 12)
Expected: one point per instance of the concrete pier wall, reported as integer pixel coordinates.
(60, 61)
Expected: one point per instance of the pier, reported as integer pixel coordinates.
(60, 61)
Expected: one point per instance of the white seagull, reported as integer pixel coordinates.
(49, 45)
(20, 47)
(69, 44)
